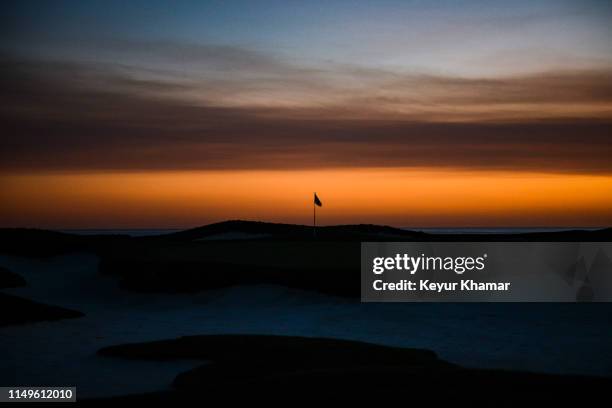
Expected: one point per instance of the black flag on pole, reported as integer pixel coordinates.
(317, 201)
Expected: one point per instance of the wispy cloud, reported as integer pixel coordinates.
(272, 114)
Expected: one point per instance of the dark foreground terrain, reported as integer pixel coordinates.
(252, 366)
(9, 279)
(244, 253)
(238, 254)
(16, 310)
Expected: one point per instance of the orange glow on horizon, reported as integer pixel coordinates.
(394, 196)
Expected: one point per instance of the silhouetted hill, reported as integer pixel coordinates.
(237, 229)
(42, 243)
(38, 242)
(244, 253)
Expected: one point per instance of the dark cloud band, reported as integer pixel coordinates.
(59, 116)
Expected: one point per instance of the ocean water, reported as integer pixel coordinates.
(497, 230)
(557, 338)
(134, 232)
(438, 230)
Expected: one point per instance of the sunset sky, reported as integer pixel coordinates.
(408, 113)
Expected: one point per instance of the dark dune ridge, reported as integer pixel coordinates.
(17, 310)
(258, 365)
(372, 233)
(42, 243)
(10, 279)
(244, 252)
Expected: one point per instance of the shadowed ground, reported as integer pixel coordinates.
(257, 366)
(273, 279)
(9, 279)
(245, 253)
(16, 310)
